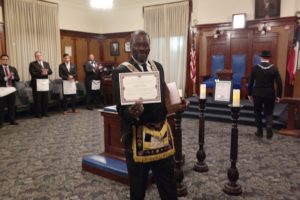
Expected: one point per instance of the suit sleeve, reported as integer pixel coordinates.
(122, 110)
(62, 73)
(75, 71)
(2, 77)
(278, 84)
(88, 68)
(250, 83)
(49, 69)
(34, 72)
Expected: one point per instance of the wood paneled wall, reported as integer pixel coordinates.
(83, 44)
(247, 41)
(2, 39)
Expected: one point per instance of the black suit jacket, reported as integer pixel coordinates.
(64, 72)
(2, 76)
(264, 79)
(91, 74)
(35, 70)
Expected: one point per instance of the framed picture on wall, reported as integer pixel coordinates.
(127, 46)
(114, 49)
(267, 8)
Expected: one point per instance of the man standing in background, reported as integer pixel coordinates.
(92, 82)
(8, 78)
(264, 75)
(68, 73)
(39, 70)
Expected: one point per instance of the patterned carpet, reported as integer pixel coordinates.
(41, 159)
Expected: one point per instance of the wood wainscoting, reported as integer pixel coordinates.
(82, 44)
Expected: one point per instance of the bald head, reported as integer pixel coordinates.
(91, 57)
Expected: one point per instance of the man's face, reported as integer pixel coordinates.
(4, 60)
(140, 47)
(38, 57)
(66, 59)
(91, 57)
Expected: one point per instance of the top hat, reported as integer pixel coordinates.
(265, 54)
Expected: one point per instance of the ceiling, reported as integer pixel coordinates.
(117, 4)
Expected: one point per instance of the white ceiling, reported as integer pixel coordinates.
(117, 4)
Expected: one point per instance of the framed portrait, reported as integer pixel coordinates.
(267, 8)
(114, 49)
(127, 46)
(222, 91)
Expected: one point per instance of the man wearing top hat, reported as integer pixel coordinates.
(261, 91)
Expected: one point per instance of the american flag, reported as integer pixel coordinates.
(293, 61)
(193, 64)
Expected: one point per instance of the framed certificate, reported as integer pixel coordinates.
(139, 86)
(222, 92)
(69, 87)
(42, 85)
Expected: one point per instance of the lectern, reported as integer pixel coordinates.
(293, 113)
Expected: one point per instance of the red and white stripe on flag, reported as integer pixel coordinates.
(193, 65)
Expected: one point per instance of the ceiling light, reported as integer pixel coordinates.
(103, 4)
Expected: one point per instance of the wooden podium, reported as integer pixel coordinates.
(293, 110)
(111, 163)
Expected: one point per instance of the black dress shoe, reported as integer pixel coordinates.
(14, 123)
(1, 125)
(46, 115)
(38, 116)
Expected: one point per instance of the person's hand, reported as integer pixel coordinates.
(10, 76)
(277, 100)
(136, 110)
(70, 77)
(250, 98)
(44, 71)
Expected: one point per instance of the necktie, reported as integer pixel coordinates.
(9, 81)
(144, 65)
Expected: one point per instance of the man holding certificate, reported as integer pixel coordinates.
(39, 71)
(68, 73)
(146, 134)
(8, 78)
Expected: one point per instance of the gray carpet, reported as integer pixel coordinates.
(41, 159)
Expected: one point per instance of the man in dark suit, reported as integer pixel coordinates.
(92, 79)
(263, 92)
(8, 78)
(39, 69)
(67, 71)
(139, 116)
